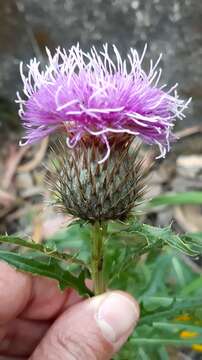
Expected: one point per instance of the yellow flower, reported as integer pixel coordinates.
(183, 317)
(188, 334)
(197, 347)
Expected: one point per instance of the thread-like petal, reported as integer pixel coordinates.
(98, 93)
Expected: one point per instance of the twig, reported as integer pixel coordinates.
(189, 131)
(11, 166)
(31, 165)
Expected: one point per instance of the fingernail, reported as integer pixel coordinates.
(116, 316)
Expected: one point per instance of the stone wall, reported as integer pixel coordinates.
(173, 27)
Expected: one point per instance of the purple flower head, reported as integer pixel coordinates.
(90, 94)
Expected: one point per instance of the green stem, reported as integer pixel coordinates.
(98, 234)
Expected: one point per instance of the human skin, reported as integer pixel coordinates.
(38, 321)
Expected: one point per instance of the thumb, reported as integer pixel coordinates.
(93, 329)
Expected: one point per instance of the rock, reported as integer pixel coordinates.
(24, 181)
(190, 166)
(172, 27)
(189, 218)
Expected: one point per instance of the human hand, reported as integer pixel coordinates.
(38, 321)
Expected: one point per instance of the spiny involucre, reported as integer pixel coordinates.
(90, 94)
(96, 191)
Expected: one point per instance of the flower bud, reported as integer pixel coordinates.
(93, 190)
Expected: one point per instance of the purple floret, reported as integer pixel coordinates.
(89, 93)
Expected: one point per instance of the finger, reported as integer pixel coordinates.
(46, 299)
(92, 329)
(20, 337)
(11, 358)
(30, 297)
(15, 290)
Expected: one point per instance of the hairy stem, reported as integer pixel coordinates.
(98, 236)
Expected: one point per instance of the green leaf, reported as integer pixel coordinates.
(143, 237)
(177, 308)
(166, 341)
(195, 285)
(142, 355)
(75, 238)
(194, 240)
(183, 198)
(176, 327)
(47, 251)
(189, 244)
(52, 270)
(163, 353)
(151, 303)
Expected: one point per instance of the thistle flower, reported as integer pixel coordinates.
(90, 94)
(100, 105)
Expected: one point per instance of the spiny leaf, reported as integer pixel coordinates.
(189, 244)
(182, 243)
(48, 251)
(51, 269)
(193, 239)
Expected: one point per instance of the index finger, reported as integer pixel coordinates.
(15, 290)
(31, 297)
